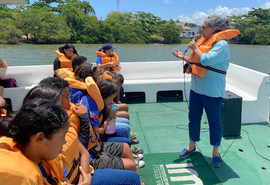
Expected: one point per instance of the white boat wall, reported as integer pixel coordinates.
(151, 77)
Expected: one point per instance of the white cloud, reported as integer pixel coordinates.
(266, 5)
(167, 1)
(199, 17)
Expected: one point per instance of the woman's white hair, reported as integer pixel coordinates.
(218, 23)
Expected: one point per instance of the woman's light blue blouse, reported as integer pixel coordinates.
(213, 83)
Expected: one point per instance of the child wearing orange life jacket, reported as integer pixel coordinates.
(83, 72)
(70, 153)
(74, 153)
(107, 60)
(65, 55)
(78, 87)
(33, 139)
(118, 155)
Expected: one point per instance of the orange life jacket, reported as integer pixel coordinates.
(106, 76)
(16, 168)
(71, 156)
(105, 59)
(64, 73)
(75, 122)
(92, 90)
(64, 61)
(91, 87)
(54, 170)
(205, 45)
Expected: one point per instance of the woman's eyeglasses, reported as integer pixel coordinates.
(203, 27)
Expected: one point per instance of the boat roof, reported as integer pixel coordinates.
(162, 131)
(14, 2)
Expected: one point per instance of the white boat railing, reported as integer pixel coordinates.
(151, 77)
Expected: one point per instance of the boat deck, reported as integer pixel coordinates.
(163, 132)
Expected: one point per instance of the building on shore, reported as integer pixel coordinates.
(188, 31)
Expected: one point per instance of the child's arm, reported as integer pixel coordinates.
(116, 99)
(102, 128)
(82, 112)
(85, 158)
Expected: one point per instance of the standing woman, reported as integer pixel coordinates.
(65, 55)
(208, 85)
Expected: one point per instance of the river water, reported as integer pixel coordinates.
(250, 56)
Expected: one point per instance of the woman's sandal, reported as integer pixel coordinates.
(136, 150)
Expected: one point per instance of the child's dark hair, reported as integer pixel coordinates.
(5, 125)
(119, 78)
(77, 61)
(67, 46)
(84, 71)
(37, 115)
(107, 88)
(46, 92)
(55, 82)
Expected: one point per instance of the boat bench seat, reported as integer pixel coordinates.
(152, 86)
(253, 88)
(152, 77)
(26, 78)
(246, 96)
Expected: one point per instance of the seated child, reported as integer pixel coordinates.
(34, 138)
(115, 155)
(71, 158)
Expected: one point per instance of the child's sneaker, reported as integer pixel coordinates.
(139, 164)
(137, 156)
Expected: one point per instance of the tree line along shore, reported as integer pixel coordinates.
(74, 21)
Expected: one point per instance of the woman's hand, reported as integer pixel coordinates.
(178, 54)
(193, 45)
(80, 109)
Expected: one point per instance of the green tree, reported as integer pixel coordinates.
(8, 31)
(190, 24)
(253, 26)
(171, 32)
(41, 26)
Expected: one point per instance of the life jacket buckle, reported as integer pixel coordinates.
(187, 68)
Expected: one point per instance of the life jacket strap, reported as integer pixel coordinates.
(207, 67)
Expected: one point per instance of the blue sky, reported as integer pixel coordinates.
(184, 10)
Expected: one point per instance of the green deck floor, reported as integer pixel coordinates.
(156, 128)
